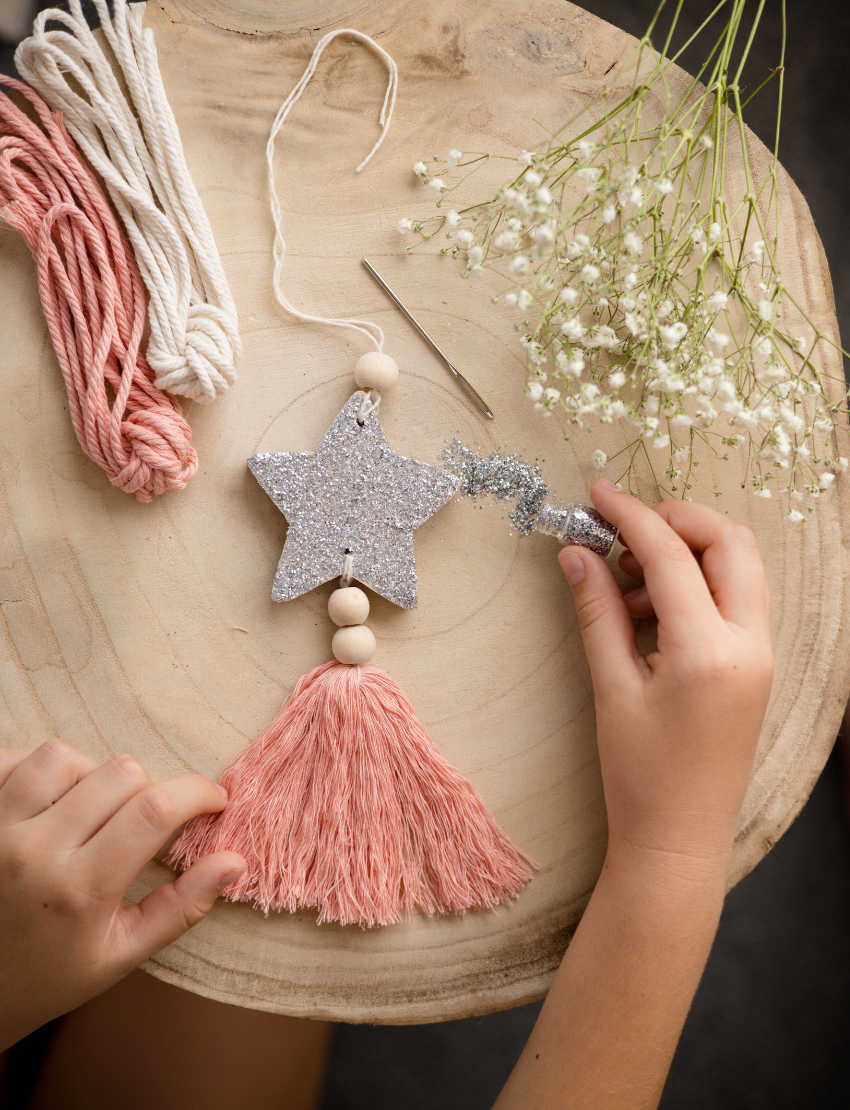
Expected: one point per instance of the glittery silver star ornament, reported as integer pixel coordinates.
(355, 496)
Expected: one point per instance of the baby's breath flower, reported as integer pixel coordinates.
(672, 334)
(573, 329)
(632, 242)
(631, 268)
(506, 241)
(763, 346)
(602, 336)
(524, 299)
(404, 225)
(547, 402)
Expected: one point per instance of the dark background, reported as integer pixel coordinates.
(770, 1025)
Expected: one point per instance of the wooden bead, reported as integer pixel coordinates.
(376, 371)
(348, 605)
(354, 644)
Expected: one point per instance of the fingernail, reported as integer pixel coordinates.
(222, 790)
(572, 565)
(231, 877)
(606, 483)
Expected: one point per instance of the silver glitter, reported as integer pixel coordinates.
(355, 497)
(503, 477)
(508, 477)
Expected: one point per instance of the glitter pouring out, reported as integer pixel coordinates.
(509, 478)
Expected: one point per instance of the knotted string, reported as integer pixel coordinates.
(365, 327)
(135, 148)
(94, 303)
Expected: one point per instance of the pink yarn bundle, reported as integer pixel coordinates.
(345, 804)
(94, 302)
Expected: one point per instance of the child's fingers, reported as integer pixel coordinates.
(638, 603)
(731, 563)
(115, 854)
(606, 627)
(41, 778)
(679, 594)
(166, 913)
(82, 811)
(629, 565)
(9, 760)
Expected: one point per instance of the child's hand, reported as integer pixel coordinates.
(677, 733)
(72, 838)
(677, 729)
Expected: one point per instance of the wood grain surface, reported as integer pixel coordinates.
(121, 622)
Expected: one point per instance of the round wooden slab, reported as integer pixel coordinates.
(150, 628)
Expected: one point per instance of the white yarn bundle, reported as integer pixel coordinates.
(194, 346)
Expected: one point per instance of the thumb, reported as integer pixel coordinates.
(606, 627)
(170, 910)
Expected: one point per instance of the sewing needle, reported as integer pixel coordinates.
(472, 393)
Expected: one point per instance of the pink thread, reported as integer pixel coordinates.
(345, 804)
(94, 303)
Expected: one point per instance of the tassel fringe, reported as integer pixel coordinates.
(344, 804)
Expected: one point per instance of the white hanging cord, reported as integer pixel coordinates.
(365, 327)
(367, 405)
(194, 346)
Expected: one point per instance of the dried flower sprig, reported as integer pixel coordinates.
(648, 295)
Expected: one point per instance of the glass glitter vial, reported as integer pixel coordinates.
(578, 524)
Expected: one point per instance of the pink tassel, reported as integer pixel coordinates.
(345, 804)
